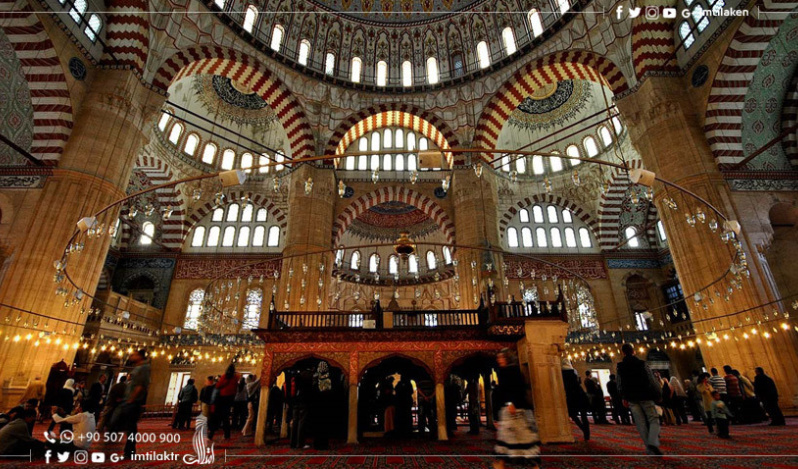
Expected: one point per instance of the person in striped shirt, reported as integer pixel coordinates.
(718, 383)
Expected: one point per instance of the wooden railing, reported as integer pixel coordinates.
(440, 318)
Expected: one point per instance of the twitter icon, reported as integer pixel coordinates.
(62, 457)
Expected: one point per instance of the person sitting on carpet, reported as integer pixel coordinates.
(15, 438)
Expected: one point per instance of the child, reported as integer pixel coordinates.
(720, 413)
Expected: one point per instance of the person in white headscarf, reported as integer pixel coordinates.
(678, 400)
(64, 404)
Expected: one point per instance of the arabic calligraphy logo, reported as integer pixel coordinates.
(204, 453)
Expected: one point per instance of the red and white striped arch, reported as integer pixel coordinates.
(611, 205)
(336, 145)
(577, 64)
(215, 60)
(724, 116)
(653, 44)
(127, 37)
(393, 194)
(52, 107)
(276, 216)
(578, 212)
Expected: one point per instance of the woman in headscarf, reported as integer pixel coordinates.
(64, 403)
(678, 400)
(706, 390)
(517, 431)
(320, 406)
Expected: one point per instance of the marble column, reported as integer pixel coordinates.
(352, 429)
(112, 124)
(544, 341)
(440, 405)
(263, 405)
(665, 125)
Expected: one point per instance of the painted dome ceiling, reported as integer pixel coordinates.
(385, 221)
(397, 11)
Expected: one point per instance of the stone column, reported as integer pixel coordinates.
(309, 230)
(440, 405)
(545, 339)
(352, 429)
(476, 224)
(114, 120)
(263, 406)
(666, 127)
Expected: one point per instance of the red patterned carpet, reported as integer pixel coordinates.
(687, 446)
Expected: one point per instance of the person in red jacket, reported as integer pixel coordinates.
(225, 396)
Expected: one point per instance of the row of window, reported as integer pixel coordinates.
(387, 139)
(249, 320)
(509, 44)
(696, 23)
(543, 238)
(77, 11)
(589, 148)
(393, 261)
(246, 236)
(229, 159)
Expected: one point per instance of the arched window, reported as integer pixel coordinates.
(78, 10)
(701, 21)
(526, 237)
(556, 163)
(509, 41)
(304, 52)
(432, 263)
(249, 21)
(540, 234)
(163, 121)
(535, 22)
(717, 5)
(259, 236)
(209, 154)
(412, 264)
(661, 231)
(537, 214)
(407, 73)
(387, 162)
(382, 73)
(261, 215)
(228, 159)
(357, 69)
(213, 236)
(147, 233)
(192, 142)
(458, 67)
(411, 162)
(556, 238)
(218, 214)
(279, 157)
(400, 163)
(277, 37)
(199, 236)
(512, 237)
(590, 146)
(483, 55)
(232, 213)
(219, 3)
(570, 237)
(246, 213)
(263, 161)
(243, 237)
(252, 309)
(520, 165)
(194, 309)
(564, 5)
(393, 265)
(537, 164)
(95, 25)
(387, 141)
(246, 162)
(523, 215)
(606, 136)
(423, 144)
(329, 64)
(339, 256)
(616, 123)
(573, 150)
(374, 263)
(354, 261)
(566, 216)
(631, 235)
(229, 236)
(432, 71)
(506, 163)
(274, 236)
(686, 35)
(174, 135)
(447, 255)
(584, 238)
(551, 210)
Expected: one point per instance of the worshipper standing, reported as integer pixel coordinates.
(474, 411)
(253, 398)
(451, 398)
(240, 405)
(576, 398)
(751, 411)
(678, 399)
(64, 404)
(404, 407)
(620, 414)
(301, 406)
(206, 397)
(705, 389)
(34, 390)
(321, 419)
(127, 414)
(733, 392)
(767, 392)
(115, 397)
(388, 402)
(718, 383)
(517, 433)
(227, 387)
(185, 403)
(83, 428)
(59, 373)
(666, 418)
(596, 396)
(694, 400)
(641, 392)
(721, 414)
(426, 406)
(15, 438)
(95, 400)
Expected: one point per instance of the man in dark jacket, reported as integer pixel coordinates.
(94, 402)
(765, 390)
(640, 391)
(620, 414)
(185, 402)
(596, 396)
(575, 398)
(115, 397)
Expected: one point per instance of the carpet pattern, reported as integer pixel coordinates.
(687, 446)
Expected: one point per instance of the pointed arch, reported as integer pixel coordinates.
(127, 34)
(276, 216)
(653, 42)
(576, 210)
(215, 60)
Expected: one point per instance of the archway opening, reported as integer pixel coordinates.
(468, 394)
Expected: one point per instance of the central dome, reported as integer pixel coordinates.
(397, 11)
